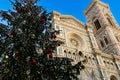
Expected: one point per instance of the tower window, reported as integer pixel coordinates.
(97, 24)
(106, 40)
(110, 21)
(102, 44)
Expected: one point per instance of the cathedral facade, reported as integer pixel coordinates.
(98, 40)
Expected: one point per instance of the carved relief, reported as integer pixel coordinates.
(74, 42)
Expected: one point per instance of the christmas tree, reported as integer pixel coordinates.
(27, 45)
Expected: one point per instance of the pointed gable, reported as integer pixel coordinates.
(71, 20)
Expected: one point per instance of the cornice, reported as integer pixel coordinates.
(105, 55)
(71, 17)
(92, 5)
(67, 26)
(110, 56)
(67, 17)
(89, 7)
(116, 57)
(115, 28)
(56, 13)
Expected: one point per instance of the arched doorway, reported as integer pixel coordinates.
(113, 77)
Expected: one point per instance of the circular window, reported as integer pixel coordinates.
(74, 42)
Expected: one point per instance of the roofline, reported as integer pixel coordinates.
(67, 17)
(93, 3)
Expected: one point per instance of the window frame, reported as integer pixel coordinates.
(97, 24)
(102, 44)
(106, 40)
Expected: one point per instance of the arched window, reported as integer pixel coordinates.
(97, 24)
(106, 40)
(113, 77)
(102, 44)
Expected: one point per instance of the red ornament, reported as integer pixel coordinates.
(31, 8)
(36, 14)
(19, 10)
(4, 15)
(50, 56)
(17, 54)
(33, 62)
(54, 36)
(42, 20)
(49, 50)
(11, 34)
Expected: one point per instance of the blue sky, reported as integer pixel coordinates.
(70, 7)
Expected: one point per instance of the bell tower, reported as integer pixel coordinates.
(104, 26)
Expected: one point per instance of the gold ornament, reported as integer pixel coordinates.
(28, 72)
(40, 51)
(6, 70)
(32, 36)
(6, 56)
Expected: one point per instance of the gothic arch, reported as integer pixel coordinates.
(112, 77)
(106, 40)
(102, 43)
